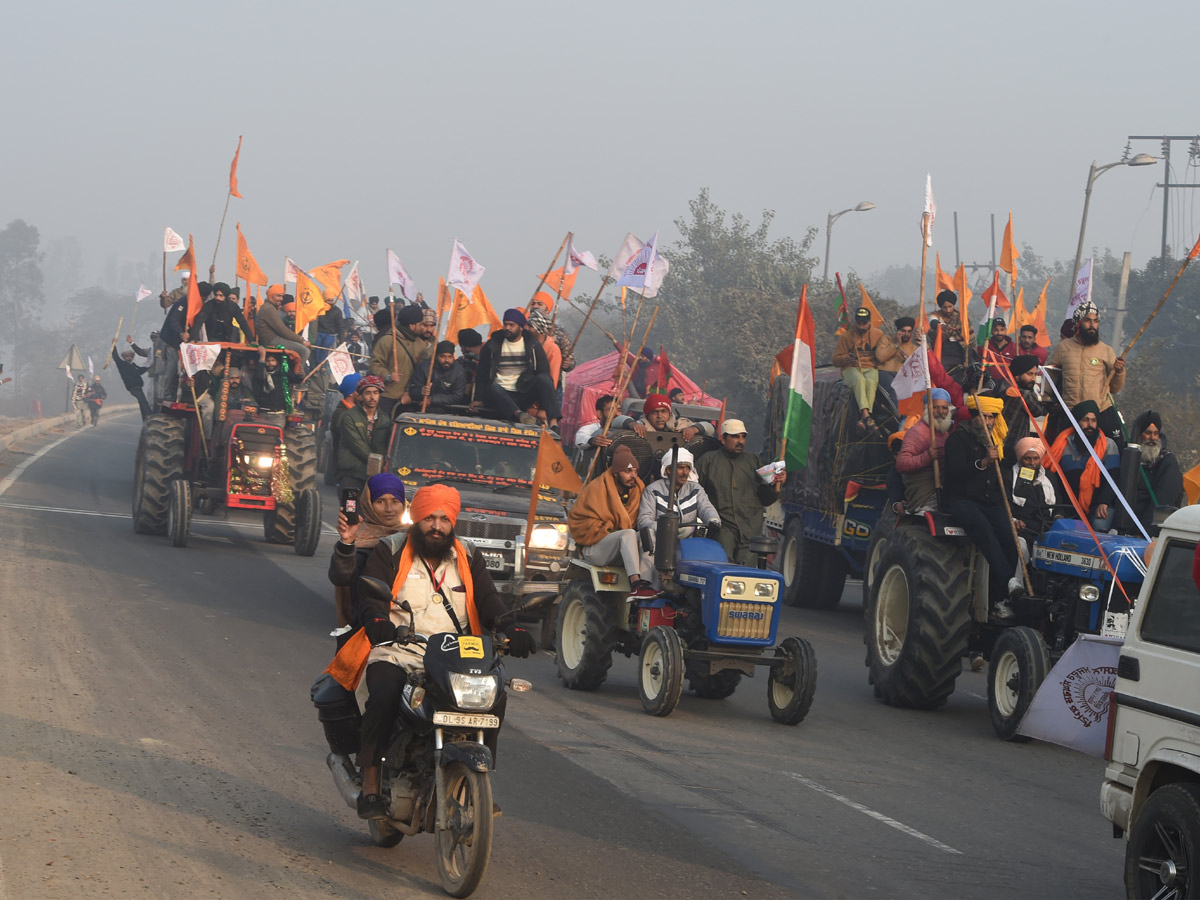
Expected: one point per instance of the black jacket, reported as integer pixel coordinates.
(448, 388)
(171, 332)
(268, 397)
(219, 316)
(1028, 499)
(489, 360)
(130, 372)
(966, 447)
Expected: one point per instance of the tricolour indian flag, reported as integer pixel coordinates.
(797, 424)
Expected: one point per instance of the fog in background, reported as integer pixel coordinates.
(376, 125)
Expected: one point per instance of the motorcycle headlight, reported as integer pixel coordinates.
(732, 588)
(474, 691)
(549, 537)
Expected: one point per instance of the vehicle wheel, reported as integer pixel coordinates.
(1019, 665)
(818, 571)
(308, 522)
(464, 848)
(279, 524)
(384, 833)
(1163, 852)
(711, 686)
(875, 547)
(918, 619)
(789, 560)
(790, 687)
(660, 671)
(587, 634)
(179, 511)
(159, 459)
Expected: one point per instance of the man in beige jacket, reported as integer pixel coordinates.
(1091, 370)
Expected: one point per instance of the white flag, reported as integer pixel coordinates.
(172, 242)
(290, 270)
(198, 356)
(464, 272)
(1083, 287)
(142, 293)
(911, 378)
(352, 287)
(629, 249)
(399, 276)
(1071, 706)
(91, 368)
(577, 258)
(930, 210)
(70, 377)
(340, 363)
(639, 274)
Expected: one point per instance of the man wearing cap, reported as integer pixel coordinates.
(1091, 369)
(514, 374)
(446, 585)
(1082, 474)
(364, 430)
(948, 321)
(860, 351)
(273, 331)
(917, 453)
(730, 479)
(1000, 343)
(131, 377)
(659, 415)
(1027, 344)
(603, 518)
(394, 358)
(1160, 483)
(449, 386)
(691, 503)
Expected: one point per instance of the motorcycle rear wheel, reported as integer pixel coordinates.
(465, 846)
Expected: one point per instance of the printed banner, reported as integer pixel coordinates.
(198, 356)
(1071, 706)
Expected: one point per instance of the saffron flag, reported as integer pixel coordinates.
(993, 291)
(309, 303)
(194, 302)
(247, 266)
(1071, 707)
(340, 363)
(329, 276)
(910, 383)
(963, 290)
(1191, 482)
(560, 283)
(399, 276)
(930, 210)
(797, 423)
(187, 262)
(944, 281)
(1009, 253)
(577, 258)
(1038, 318)
(1082, 291)
(471, 312)
(552, 470)
(1019, 315)
(290, 270)
(233, 185)
(172, 242)
(876, 315)
(198, 356)
(465, 271)
(639, 274)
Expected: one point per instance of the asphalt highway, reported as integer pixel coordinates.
(156, 739)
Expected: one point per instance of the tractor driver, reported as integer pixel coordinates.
(691, 502)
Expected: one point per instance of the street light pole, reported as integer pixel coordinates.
(833, 217)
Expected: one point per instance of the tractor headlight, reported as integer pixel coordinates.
(733, 588)
(549, 537)
(265, 462)
(474, 691)
(765, 589)
(1089, 593)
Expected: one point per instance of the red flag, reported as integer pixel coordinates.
(233, 186)
(993, 290)
(664, 370)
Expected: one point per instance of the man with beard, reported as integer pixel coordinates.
(514, 373)
(917, 453)
(1160, 483)
(905, 345)
(471, 344)
(974, 496)
(1080, 470)
(394, 359)
(273, 331)
(1016, 398)
(449, 385)
(948, 322)
(447, 586)
(1027, 344)
(217, 316)
(659, 415)
(1000, 343)
(263, 386)
(362, 430)
(1091, 370)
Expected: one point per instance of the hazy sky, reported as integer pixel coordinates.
(373, 125)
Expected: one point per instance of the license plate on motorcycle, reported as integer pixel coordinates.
(462, 720)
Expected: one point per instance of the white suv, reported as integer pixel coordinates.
(1151, 790)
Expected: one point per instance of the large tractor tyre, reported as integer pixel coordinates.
(1164, 845)
(711, 686)
(820, 575)
(790, 568)
(587, 633)
(179, 511)
(159, 460)
(308, 522)
(279, 524)
(918, 619)
(660, 671)
(322, 454)
(790, 687)
(879, 537)
(1019, 665)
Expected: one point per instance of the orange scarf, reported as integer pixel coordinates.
(407, 557)
(1090, 479)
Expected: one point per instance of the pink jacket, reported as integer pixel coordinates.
(914, 452)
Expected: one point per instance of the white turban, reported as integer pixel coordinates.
(685, 456)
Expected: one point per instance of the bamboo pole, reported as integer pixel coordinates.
(622, 384)
(213, 268)
(164, 271)
(591, 309)
(1187, 260)
(433, 355)
(108, 358)
(542, 280)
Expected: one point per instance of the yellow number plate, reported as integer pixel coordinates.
(470, 648)
(461, 720)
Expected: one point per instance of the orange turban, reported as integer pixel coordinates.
(329, 295)
(435, 498)
(276, 290)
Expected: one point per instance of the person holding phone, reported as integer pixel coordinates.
(364, 517)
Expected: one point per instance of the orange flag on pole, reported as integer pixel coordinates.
(993, 290)
(233, 185)
(555, 278)
(552, 470)
(1009, 253)
(876, 315)
(247, 266)
(470, 312)
(194, 300)
(188, 260)
(309, 303)
(944, 281)
(1038, 318)
(1019, 315)
(330, 274)
(963, 291)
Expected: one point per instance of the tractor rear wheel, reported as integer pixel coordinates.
(279, 524)
(159, 459)
(587, 634)
(308, 522)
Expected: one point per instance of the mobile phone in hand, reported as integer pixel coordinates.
(350, 505)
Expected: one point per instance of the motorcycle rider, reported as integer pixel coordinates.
(448, 589)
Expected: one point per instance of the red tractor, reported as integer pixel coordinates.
(255, 461)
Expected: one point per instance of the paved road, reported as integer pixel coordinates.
(157, 739)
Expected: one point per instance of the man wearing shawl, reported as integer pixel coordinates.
(448, 588)
(1081, 472)
(380, 508)
(1160, 483)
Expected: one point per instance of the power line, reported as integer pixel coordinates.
(1165, 141)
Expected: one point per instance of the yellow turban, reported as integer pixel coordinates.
(994, 406)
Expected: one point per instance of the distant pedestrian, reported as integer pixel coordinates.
(78, 392)
(95, 397)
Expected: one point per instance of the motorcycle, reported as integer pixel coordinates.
(436, 768)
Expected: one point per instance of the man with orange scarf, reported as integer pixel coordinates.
(1081, 472)
(603, 516)
(448, 589)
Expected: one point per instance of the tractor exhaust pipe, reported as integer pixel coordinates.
(1127, 483)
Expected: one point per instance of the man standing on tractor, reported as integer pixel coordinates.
(364, 430)
(1091, 370)
(948, 323)
(217, 316)
(131, 377)
(729, 476)
(603, 516)
(273, 331)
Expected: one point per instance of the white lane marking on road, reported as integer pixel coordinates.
(12, 476)
(105, 515)
(878, 816)
(973, 694)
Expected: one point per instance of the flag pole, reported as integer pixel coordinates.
(937, 471)
(1012, 525)
(542, 280)
(108, 358)
(212, 270)
(622, 385)
(591, 309)
(164, 271)
(533, 494)
(1187, 260)
(433, 356)
(395, 350)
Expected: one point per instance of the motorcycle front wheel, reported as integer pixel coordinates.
(464, 846)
